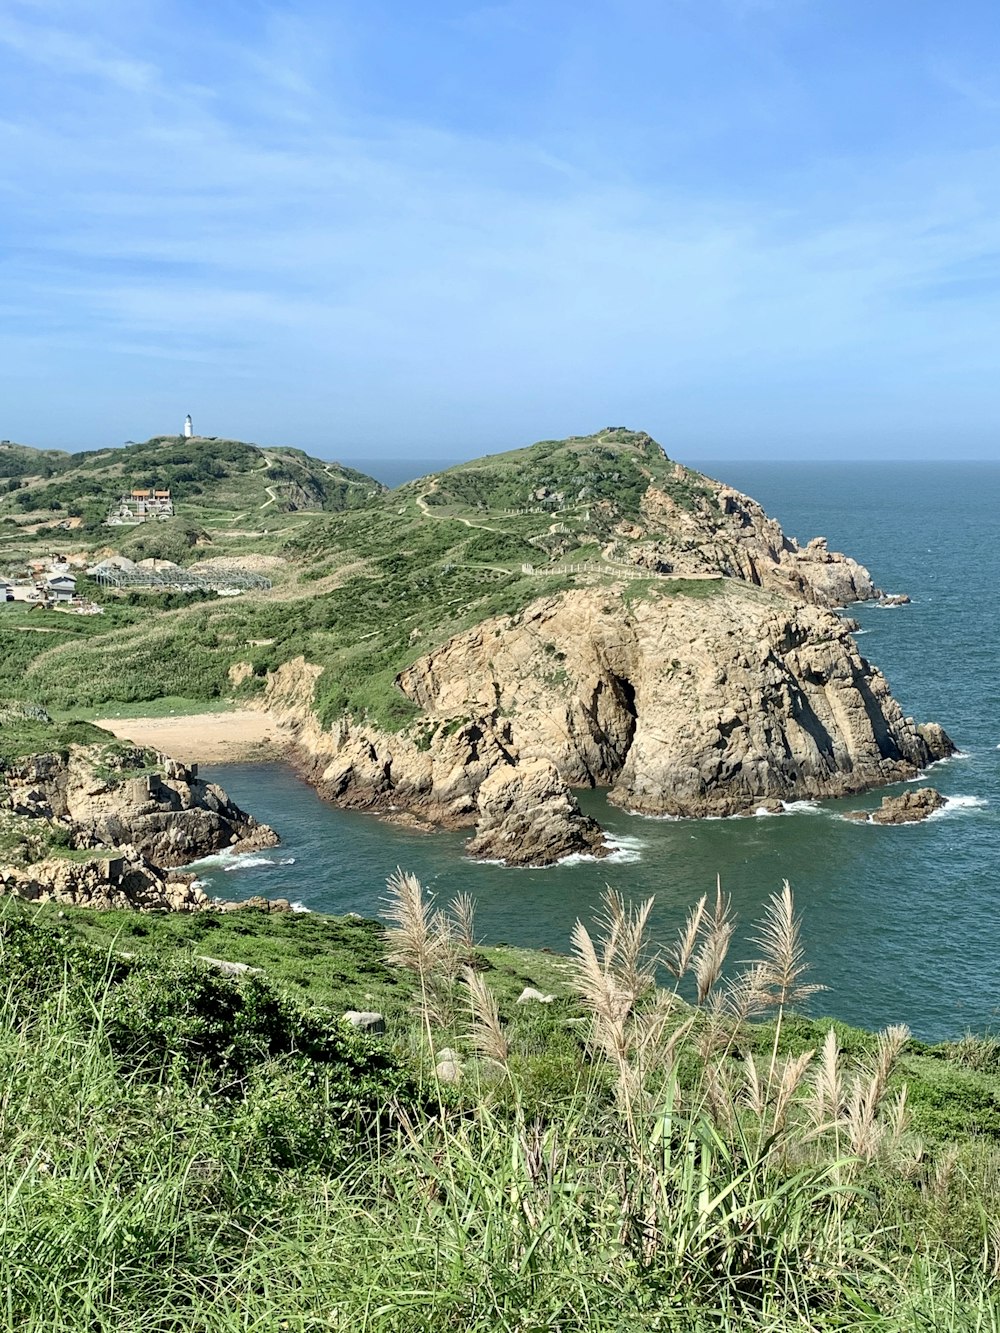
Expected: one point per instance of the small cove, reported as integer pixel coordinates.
(900, 923)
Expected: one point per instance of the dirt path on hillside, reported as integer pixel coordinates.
(427, 512)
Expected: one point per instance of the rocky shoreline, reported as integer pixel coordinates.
(106, 826)
(684, 707)
(697, 669)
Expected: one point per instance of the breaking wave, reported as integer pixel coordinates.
(227, 860)
(956, 805)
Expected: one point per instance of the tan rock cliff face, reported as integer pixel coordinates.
(719, 530)
(683, 705)
(170, 817)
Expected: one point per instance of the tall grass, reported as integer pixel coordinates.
(673, 1183)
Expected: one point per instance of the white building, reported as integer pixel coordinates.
(188, 428)
(61, 588)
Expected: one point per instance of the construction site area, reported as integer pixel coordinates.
(139, 505)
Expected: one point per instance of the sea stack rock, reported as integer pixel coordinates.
(527, 817)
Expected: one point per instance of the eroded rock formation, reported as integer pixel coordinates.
(687, 705)
(124, 818)
(159, 806)
(708, 527)
(125, 880)
(526, 816)
(680, 704)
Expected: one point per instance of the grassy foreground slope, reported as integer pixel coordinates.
(182, 1150)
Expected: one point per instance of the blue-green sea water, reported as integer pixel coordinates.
(901, 923)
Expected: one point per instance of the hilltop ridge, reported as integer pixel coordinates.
(212, 478)
(617, 496)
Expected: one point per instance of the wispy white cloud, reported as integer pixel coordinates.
(70, 55)
(258, 226)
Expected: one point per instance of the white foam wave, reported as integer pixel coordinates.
(287, 861)
(301, 907)
(954, 805)
(803, 807)
(248, 861)
(951, 759)
(227, 859)
(624, 849)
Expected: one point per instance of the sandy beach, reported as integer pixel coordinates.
(205, 738)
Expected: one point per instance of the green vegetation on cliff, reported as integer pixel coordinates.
(26, 731)
(361, 590)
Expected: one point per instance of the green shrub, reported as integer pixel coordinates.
(182, 1020)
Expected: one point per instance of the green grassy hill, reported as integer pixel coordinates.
(362, 588)
(613, 467)
(211, 481)
(21, 461)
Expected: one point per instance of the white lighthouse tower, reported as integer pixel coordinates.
(188, 428)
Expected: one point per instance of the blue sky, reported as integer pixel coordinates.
(755, 228)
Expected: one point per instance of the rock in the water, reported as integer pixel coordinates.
(894, 599)
(528, 817)
(365, 1020)
(910, 807)
(937, 740)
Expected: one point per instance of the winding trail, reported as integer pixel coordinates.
(426, 510)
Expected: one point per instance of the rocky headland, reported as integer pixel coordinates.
(468, 649)
(700, 671)
(678, 705)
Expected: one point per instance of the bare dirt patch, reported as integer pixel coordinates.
(241, 735)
